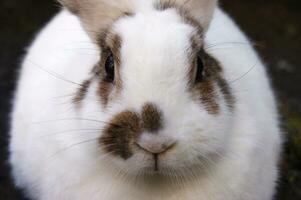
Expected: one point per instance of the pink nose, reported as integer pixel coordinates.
(155, 145)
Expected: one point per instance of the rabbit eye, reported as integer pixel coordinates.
(200, 70)
(110, 68)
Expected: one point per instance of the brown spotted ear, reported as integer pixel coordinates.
(96, 15)
(201, 10)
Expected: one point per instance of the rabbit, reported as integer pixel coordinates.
(144, 99)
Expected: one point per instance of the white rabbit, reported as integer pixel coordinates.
(144, 99)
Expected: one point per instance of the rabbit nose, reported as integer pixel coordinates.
(155, 145)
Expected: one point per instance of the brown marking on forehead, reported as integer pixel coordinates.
(106, 35)
(152, 118)
(119, 135)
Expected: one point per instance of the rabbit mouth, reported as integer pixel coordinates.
(167, 176)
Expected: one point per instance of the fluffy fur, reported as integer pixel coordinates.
(55, 151)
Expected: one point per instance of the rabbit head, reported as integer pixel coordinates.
(164, 99)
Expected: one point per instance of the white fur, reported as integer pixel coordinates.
(46, 126)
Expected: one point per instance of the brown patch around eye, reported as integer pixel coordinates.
(192, 56)
(105, 87)
(120, 134)
(208, 96)
(104, 91)
(116, 47)
(213, 80)
(214, 70)
(151, 118)
(226, 91)
(109, 43)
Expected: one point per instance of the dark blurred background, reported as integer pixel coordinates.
(274, 26)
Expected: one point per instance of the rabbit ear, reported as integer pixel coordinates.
(201, 10)
(97, 14)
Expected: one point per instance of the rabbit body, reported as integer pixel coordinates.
(52, 151)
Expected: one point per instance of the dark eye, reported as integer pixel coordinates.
(110, 68)
(200, 70)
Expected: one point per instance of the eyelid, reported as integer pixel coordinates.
(199, 58)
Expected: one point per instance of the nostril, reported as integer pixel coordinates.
(155, 148)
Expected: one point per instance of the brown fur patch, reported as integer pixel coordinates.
(226, 91)
(124, 129)
(152, 118)
(81, 92)
(116, 47)
(205, 90)
(196, 45)
(109, 43)
(104, 91)
(216, 72)
(105, 87)
(208, 96)
(119, 136)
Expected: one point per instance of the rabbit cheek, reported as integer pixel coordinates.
(120, 134)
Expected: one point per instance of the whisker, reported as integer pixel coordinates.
(70, 131)
(54, 74)
(230, 43)
(64, 96)
(74, 145)
(80, 48)
(77, 118)
(246, 73)
(78, 42)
